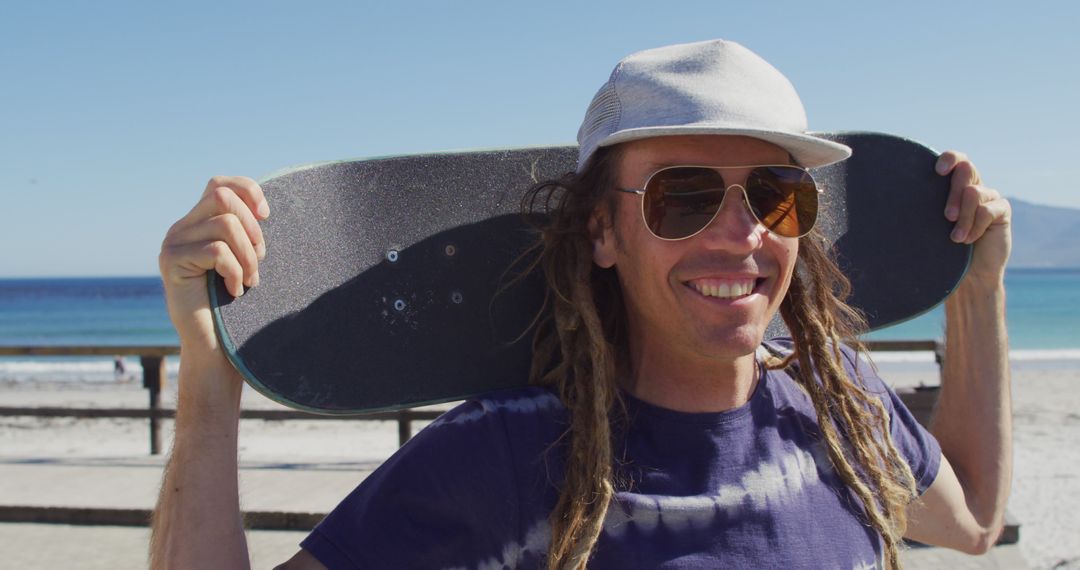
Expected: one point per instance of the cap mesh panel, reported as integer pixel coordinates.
(603, 113)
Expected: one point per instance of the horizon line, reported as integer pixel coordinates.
(156, 276)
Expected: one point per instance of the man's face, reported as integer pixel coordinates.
(675, 300)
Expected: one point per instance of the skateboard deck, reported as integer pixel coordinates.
(391, 282)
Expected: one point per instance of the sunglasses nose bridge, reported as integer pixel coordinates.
(744, 201)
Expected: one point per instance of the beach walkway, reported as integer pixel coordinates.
(116, 488)
(87, 489)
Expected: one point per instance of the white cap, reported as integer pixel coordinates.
(714, 87)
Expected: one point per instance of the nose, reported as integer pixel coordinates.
(734, 227)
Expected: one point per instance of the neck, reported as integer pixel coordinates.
(710, 386)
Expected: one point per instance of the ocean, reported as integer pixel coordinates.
(1043, 312)
(81, 311)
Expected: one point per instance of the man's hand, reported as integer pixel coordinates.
(982, 216)
(221, 233)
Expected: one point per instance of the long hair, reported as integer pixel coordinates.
(578, 344)
(574, 351)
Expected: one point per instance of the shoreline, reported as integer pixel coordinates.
(100, 369)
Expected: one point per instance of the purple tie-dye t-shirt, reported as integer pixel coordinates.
(745, 488)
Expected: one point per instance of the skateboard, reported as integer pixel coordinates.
(399, 281)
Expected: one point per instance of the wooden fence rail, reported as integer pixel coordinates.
(152, 359)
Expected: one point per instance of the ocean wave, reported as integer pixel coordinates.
(1016, 355)
(1031, 354)
(880, 356)
(54, 369)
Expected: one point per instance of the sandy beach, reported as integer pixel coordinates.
(1045, 498)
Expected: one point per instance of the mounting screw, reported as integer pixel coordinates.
(392, 256)
(456, 297)
(399, 305)
(450, 250)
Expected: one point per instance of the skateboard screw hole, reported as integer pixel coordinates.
(456, 297)
(392, 256)
(399, 305)
(450, 250)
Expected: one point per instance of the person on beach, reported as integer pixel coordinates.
(120, 369)
(663, 428)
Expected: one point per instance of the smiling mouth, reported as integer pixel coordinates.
(723, 288)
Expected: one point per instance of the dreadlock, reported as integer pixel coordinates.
(574, 352)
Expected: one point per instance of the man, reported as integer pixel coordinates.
(662, 431)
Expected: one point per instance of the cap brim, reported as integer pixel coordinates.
(808, 150)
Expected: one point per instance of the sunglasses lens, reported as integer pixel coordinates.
(680, 201)
(783, 199)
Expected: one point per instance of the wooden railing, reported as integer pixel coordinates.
(152, 359)
(935, 346)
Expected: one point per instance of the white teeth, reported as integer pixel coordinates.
(725, 289)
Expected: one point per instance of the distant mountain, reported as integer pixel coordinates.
(1044, 236)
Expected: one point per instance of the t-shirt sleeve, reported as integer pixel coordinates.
(916, 445)
(443, 500)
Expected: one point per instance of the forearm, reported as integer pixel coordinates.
(197, 522)
(973, 420)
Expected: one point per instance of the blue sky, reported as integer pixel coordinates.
(115, 114)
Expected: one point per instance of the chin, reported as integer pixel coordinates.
(738, 342)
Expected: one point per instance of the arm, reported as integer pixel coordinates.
(197, 522)
(965, 506)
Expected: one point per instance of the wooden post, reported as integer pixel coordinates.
(153, 378)
(404, 427)
(939, 357)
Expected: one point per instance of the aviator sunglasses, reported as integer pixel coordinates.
(678, 202)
